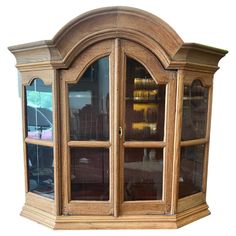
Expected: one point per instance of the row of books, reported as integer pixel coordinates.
(144, 83)
(145, 95)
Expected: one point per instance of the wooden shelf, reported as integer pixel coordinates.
(194, 98)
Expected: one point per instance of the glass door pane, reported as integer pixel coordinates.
(143, 174)
(194, 124)
(191, 170)
(90, 174)
(39, 110)
(89, 121)
(145, 104)
(40, 170)
(195, 106)
(144, 121)
(89, 103)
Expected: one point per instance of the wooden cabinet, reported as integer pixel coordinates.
(116, 123)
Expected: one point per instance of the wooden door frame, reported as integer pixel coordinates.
(156, 70)
(72, 75)
(186, 78)
(117, 50)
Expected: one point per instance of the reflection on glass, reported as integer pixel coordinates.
(90, 174)
(145, 104)
(89, 103)
(40, 170)
(143, 174)
(195, 103)
(39, 110)
(191, 170)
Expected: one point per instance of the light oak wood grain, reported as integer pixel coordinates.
(110, 222)
(117, 32)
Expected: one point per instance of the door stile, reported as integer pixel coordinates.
(116, 60)
(121, 121)
(64, 148)
(169, 139)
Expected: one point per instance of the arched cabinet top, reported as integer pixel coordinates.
(116, 22)
(121, 22)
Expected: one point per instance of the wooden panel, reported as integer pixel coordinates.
(143, 207)
(191, 201)
(205, 78)
(45, 75)
(90, 208)
(40, 202)
(66, 222)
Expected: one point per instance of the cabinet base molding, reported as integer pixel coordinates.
(122, 222)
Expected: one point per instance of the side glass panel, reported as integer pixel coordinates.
(195, 105)
(39, 110)
(40, 170)
(89, 174)
(89, 103)
(143, 174)
(145, 104)
(191, 170)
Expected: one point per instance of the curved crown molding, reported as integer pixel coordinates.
(116, 22)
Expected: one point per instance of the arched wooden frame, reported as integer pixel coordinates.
(55, 59)
(156, 70)
(118, 49)
(72, 76)
(28, 77)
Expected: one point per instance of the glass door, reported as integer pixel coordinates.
(143, 144)
(89, 122)
(144, 124)
(87, 179)
(116, 114)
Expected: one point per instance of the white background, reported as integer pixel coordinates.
(202, 21)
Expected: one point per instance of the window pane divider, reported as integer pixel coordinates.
(47, 143)
(194, 142)
(91, 144)
(144, 144)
